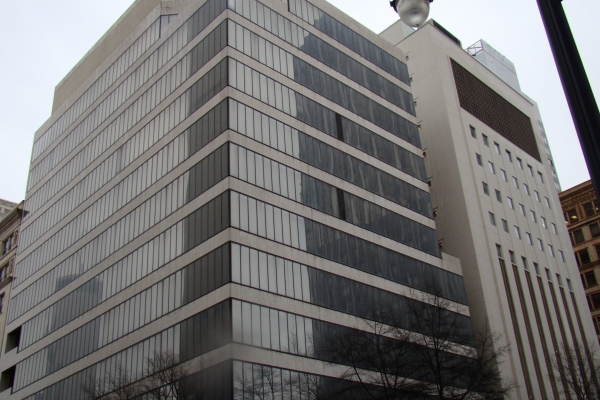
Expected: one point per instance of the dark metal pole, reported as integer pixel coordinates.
(578, 91)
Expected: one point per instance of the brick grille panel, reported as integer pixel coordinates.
(489, 107)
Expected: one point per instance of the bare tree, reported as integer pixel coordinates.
(435, 354)
(263, 382)
(169, 379)
(166, 379)
(457, 362)
(117, 384)
(580, 378)
(379, 359)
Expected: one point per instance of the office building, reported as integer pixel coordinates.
(9, 240)
(225, 181)
(582, 216)
(496, 202)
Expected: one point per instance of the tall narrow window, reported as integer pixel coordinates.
(543, 220)
(505, 225)
(551, 250)
(473, 132)
(522, 208)
(515, 182)
(512, 257)
(547, 202)
(530, 169)
(517, 232)
(529, 240)
(492, 169)
(541, 176)
(486, 189)
(509, 155)
(503, 173)
(510, 203)
(479, 160)
(497, 147)
(498, 196)
(526, 187)
(554, 228)
(485, 140)
(533, 216)
(540, 244)
(520, 162)
(492, 219)
(536, 194)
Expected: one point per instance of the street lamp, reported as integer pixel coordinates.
(412, 12)
(576, 85)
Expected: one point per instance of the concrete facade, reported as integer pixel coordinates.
(497, 207)
(147, 173)
(580, 207)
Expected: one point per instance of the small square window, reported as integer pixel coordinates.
(595, 229)
(520, 162)
(485, 140)
(530, 169)
(498, 196)
(510, 203)
(517, 232)
(582, 257)
(492, 219)
(554, 228)
(503, 173)
(529, 239)
(526, 189)
(578, 236)
(497, 147)
(509, 155)
(536, 194)
(589, 279)
(541, 176)
(571, 216)
(479, 160)
(588, 208)
(515, 182)
(505, 225)
(486, 190)
(473, 132)
(522, 209)
(492, 169)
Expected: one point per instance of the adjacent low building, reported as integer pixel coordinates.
(10, 225)
(582, 216)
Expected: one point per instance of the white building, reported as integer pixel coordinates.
(496, 201)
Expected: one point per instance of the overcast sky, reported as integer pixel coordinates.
(43, 39)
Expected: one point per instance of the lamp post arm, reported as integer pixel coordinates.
(576, 85)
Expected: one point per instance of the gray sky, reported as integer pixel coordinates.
(43, 39)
